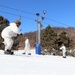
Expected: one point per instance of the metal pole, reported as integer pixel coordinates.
(38, 45)
(39, 33)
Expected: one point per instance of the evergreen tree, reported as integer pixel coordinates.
(66, 40)
(48, 39)
(3, 23)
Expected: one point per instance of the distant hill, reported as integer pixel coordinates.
(32, 35)
(70, 31)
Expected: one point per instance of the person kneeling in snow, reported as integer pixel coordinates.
(8, 34)
(63, 48)
(27, 47)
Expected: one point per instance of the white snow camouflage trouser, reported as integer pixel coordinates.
(64, 53)
(8, 42)
(27, 50)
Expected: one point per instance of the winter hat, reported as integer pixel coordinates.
(17, 22)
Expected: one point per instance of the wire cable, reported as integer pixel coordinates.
(29, 13)
(16, 9)
(16, 15)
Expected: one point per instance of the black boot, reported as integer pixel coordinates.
(8, 52)
(12, 53)
(24, 53)
(64, 56)
(29, 53)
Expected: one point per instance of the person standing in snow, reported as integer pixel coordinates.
(8, 34)
(27, 47)
(63, 48)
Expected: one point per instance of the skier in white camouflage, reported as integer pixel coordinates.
(8, 34)
(27, 47)
(63, 48)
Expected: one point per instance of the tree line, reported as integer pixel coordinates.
(50, 39)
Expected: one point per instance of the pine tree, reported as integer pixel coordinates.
(66, 40)
(3, 23)
(48, 39)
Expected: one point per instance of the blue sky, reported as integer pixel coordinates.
(60, 13)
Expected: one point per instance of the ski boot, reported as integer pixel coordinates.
(9, 52)
(24, 53)
(29, 53)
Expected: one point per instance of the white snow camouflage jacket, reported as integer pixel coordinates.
(10, 31)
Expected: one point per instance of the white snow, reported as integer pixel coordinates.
(36, 64)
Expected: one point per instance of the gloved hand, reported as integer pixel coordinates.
(21, 34)
(18, 35)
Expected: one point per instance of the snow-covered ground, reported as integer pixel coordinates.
(36, 64)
